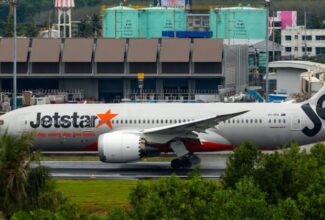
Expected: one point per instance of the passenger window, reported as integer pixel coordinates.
(298, 121)
(126, 121)
(270, 121)
(238, 121)
(113, 121)
(184, 120)
(280, 121)
(261, 121)
(144, 121)
(157, 121)
(175, 121)
(284, 121)
(121, 121)
(162, 121)
(153, 121)
(1, 122)
(274, 120)
(116, 121)
(135, 121)
(233, 121)
(130, 121)
(148, 121)
(242, 121)
(166, 121)
(247, 121)
(252, 121)
(171, 121)
(228, 121)
(255, 121)
(179, 121)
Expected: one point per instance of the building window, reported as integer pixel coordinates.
(288, 49)
(320, 50)
(307, 37)
(288, 37)
(296, 37)
(309, 49)
(320, 37)
(296, 48)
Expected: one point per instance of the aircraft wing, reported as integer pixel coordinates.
(199, 125)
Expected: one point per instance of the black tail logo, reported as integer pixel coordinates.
(313, 117)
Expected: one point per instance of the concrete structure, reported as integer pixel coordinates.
(299, 42)
(288, 74)
(107, 68)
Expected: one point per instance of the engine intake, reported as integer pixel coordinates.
(119, 147)
(123, 147)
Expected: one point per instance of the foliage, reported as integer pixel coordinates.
(280, 185)
(288, 184)
(22, 186)
(197, 198)
(291, 180)
(241, 163)
(89, 27)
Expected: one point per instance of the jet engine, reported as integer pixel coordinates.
(123, 147)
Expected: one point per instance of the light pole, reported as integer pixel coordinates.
(267, 9)
(14, 95)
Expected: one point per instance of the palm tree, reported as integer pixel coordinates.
(15, 158)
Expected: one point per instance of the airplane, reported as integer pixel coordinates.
(127, 132)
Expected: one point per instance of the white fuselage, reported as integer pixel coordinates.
(76, 126)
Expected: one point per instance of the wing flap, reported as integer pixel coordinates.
(198, 125)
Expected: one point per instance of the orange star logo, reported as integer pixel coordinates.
(106, 119)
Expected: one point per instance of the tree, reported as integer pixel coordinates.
(22, 187)
(244, 201)
(9, 27)
(173, 198)
(95, 23)
(241, 163)
(84, 29)
(15, 159)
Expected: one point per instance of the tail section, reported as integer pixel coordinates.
(318, 98)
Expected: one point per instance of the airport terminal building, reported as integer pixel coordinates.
(106, 69)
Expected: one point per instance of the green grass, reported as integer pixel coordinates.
(97, 196)
(69, 158)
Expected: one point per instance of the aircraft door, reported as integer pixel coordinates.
(296, 122)
(22, 127)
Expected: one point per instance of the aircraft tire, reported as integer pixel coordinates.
(176, 164)
(186, 163)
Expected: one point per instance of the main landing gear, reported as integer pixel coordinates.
(185, 159)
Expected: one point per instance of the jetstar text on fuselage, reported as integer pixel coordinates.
(64, 121)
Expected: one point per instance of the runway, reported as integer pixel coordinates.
(137, 170)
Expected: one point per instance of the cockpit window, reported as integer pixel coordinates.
(1, 122)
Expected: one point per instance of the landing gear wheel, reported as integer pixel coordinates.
(186, 163)
(181, 163)
(176, 164)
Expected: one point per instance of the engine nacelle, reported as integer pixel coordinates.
(119, 147)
